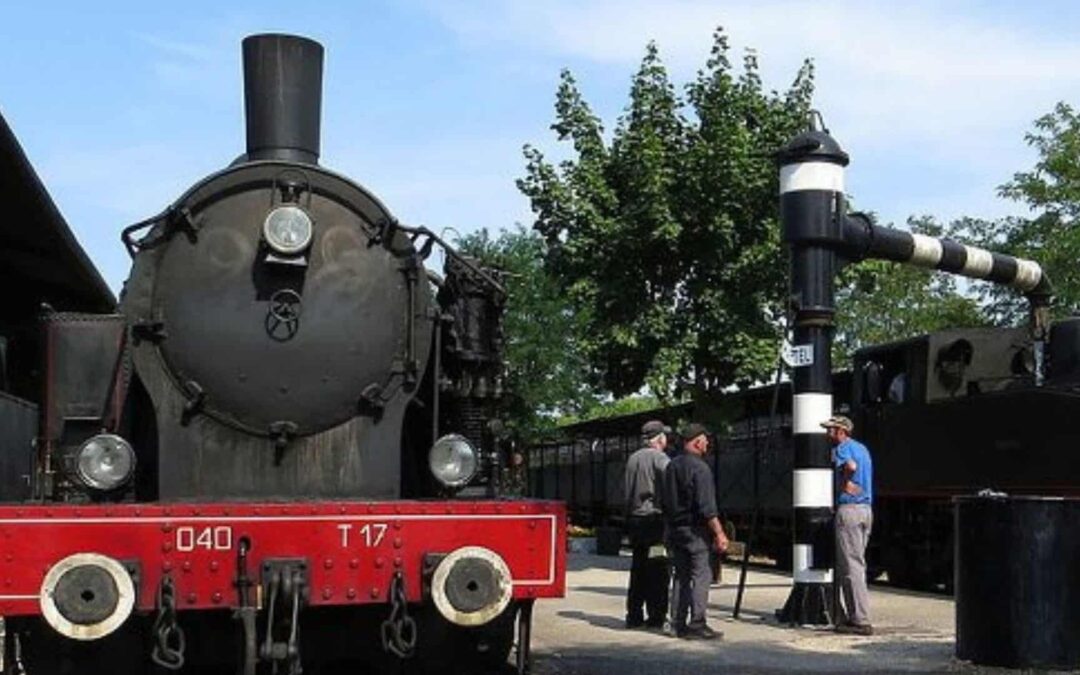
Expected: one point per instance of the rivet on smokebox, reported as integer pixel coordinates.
(354, 563)
(214, 565)
(397, 542)
(327, 593)
(379, 563)
(166, 566)
(216, 597)
(191, 598)
(350, 594)
(187, 565)
(328, 563)
(166, 528)
(374, 592)
(167, 546)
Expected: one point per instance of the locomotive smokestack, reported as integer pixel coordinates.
(283, 97)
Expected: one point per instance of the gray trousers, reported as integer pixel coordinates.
(690, 588)
(853, 524)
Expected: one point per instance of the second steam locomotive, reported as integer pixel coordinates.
(950, 413)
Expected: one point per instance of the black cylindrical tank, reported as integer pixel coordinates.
(1018, 581)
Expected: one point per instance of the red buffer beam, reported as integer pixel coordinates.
(351, 549)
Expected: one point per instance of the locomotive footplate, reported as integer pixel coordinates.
(352, 551)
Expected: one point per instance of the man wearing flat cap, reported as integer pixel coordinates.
(854, 519)
(692, 527)
(649, 572)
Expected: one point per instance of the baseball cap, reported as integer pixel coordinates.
(654, 428)
(840, 422)
(693, 430)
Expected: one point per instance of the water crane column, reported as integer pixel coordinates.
(811, 203)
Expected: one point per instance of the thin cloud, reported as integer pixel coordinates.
(918, 82)
(191, 51)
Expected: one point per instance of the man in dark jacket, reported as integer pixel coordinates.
(692, 527)
(649, 572)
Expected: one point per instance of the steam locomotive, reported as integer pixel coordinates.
(949, 413)
(280, 450)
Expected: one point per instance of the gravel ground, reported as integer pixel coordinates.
(584, 634)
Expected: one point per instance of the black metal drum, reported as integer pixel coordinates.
(1018, 581)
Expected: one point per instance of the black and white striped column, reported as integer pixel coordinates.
(811, 198)
(863, 239)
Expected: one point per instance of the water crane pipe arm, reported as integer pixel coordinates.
(863, 239)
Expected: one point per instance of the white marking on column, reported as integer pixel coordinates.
(813, 488)
(809, 411)
(1028, 274)
(927, 251)
(802, 559)
(811, 176)
(978, 262)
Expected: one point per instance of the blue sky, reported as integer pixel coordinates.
(121, 106)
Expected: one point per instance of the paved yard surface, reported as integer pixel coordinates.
(583, 634)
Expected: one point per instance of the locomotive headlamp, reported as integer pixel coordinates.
(287, 229)
(453, 460)
(105, 462)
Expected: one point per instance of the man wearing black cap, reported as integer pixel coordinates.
(693, 525)
(649, 570)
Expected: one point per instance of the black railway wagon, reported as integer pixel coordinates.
(948, 413)
(583, 463)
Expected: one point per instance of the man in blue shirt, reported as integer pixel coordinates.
(854, 519)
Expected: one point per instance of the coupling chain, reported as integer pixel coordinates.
(399, 629)
(169, 643)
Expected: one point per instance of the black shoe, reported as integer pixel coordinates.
(701, 633)
(655, 625)
(855, 629)
(634, 623)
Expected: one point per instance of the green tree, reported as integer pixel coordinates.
(547, 376)
(1052, 235)
(667, 238)
(879, 301)
(615, 408)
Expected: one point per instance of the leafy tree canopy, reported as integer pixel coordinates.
(666, 238)
(1052, 235)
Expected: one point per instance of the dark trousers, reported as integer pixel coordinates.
(690, 590)
(649, 575)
